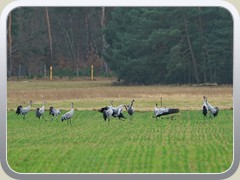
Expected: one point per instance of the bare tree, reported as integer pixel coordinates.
(103, 26)
(49, 35)
(104, 43)
(196, 75)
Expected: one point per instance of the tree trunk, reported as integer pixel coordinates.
(196, 75)
(49, 36)
(103, 26)
(203, 45)
(69, 40)
(204, 67)
(104, 42)
(87, 39)
(10, 44)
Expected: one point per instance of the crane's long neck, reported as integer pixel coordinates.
(111, 102)
(156, 107)
(43, 105)
(30, 104)
(205, 102)
(28, 107)
(132, 103)
(120, 106)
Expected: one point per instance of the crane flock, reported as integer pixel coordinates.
(111, 111)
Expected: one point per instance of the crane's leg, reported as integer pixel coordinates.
(44, 117)
(24, 118)
(131, 118)
(211, 115)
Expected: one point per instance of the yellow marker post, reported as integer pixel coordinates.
(50, 72)
(91, 72)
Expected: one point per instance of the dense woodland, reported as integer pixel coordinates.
(137, 45)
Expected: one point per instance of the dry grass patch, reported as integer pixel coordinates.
(94, 94)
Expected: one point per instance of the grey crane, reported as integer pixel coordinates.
(204, 107)
(117, 111)
(40, 111)
(54, 112)
(213, 110)
(163, 111)
(107, 113)
(23, 110)
(68, 115)
(130, 109)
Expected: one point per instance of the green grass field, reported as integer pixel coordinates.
(186, 143)
(183, 143)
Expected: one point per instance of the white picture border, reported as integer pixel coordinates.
(123, 3)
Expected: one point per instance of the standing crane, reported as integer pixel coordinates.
(54, 112)
(40, 111)
(130, 109)
(68, 115)
(204, 107)
(23, 111)
(107, 113)
(208, 107)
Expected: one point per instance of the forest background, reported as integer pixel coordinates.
(173, 45)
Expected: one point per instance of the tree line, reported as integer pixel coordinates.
(138, 45)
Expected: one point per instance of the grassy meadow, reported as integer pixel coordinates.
(182, 143)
